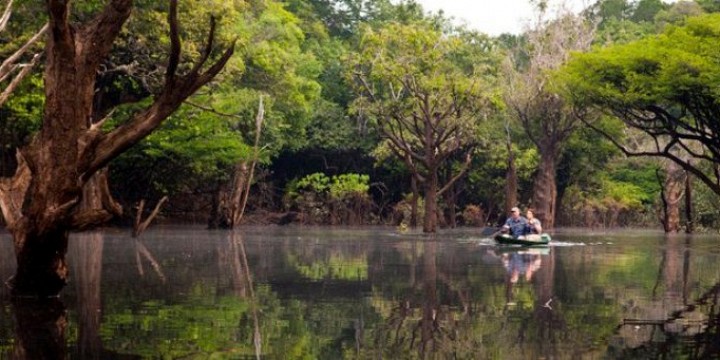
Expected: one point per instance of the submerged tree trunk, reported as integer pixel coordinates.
(40, 326)
(451, 202)
(431, 192)
(41, 267)
(545, 191)
(228, 200)
(230, 212)
(671, 194)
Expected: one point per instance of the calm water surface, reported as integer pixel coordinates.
(319, 293)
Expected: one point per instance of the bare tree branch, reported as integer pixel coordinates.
(463, 170)
(176, 90)
(662, 153)
(8, 64)
(18, 78)
(6, 15)
(140, 225)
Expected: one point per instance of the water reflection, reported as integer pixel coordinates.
(284, 293)
(519, 263)
(671, 320)
(87, 251)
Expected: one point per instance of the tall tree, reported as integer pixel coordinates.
(426, 96)
(41, 202)
(664, 86)
(546, 118)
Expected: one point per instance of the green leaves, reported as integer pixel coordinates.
(664, 69)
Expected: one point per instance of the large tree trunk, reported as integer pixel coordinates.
(451, 202)
(545, 191)
(41, 203)
(431, 192)
(671, 194)
(228, 200)
(41, 267)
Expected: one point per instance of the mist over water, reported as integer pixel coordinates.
(356, 293)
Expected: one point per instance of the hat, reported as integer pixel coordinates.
(514, 209)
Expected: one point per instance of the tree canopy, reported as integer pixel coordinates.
(664, 86)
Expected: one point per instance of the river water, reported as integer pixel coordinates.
(372, 293)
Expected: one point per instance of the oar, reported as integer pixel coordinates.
(491, 231)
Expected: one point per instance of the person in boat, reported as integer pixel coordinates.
(533, 224)
(516, 224)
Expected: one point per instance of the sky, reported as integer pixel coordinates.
(493, 17)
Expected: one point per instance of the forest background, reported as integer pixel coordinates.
(376, 112)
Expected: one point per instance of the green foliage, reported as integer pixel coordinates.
(204, 141)
(192, 149)
(626, 195)
(317, 182)
(706, 207)
(206, 144)
(645, 10)
(678, 13)
(487, 176)
(337, 187)
(338, 199)
(403, 210)
(665, 86)
(20, 116)
(346, 185)
(649, 71)
(709, 5)
(616, 31)
(617, 196)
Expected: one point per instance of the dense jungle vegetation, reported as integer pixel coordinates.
(375, 111)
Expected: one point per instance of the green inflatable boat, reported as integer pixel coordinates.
(526, 240)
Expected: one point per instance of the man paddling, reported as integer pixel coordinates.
(515, 224)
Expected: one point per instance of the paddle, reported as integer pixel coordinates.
(491, 231)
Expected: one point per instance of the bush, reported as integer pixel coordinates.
(342, 199)
(473, 215)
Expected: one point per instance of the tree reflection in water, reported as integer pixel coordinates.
(671, 325)
(327, 296)
(241, 278)
(86, 250)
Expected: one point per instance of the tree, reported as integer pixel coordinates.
(547, 118)
(41, 202)
(645, 10)
(664, 86)
(425, 90)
